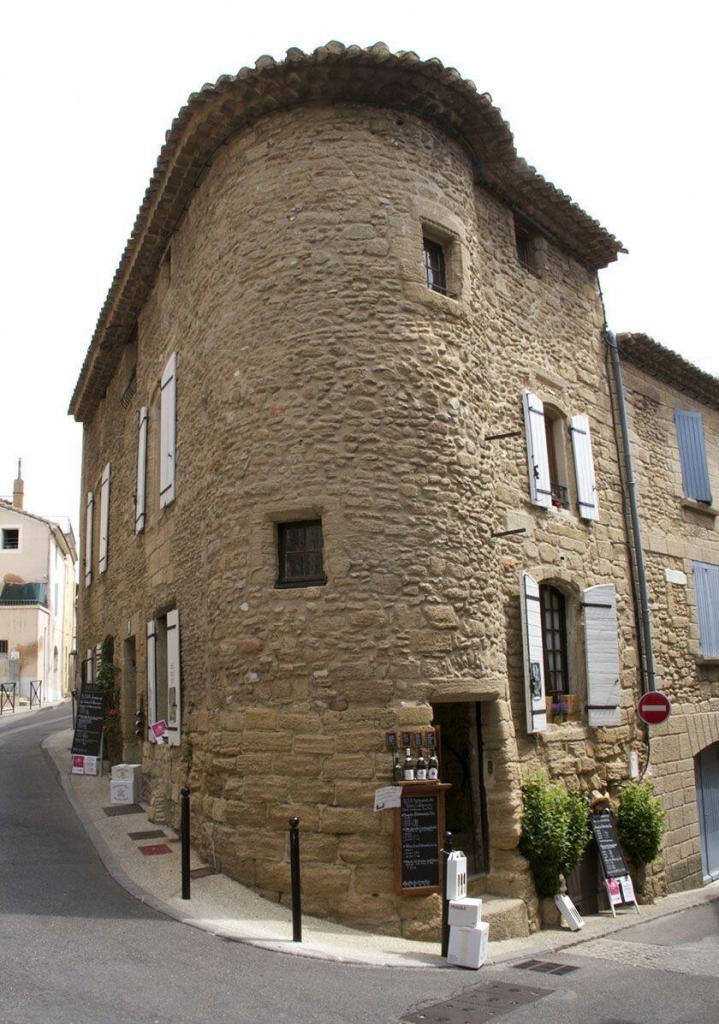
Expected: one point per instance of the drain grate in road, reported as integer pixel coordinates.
(545, 967)
(150, 833)
(478, 1005)
(116, 809)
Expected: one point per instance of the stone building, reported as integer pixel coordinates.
(674, 422)
(37, 601)
(349, 469)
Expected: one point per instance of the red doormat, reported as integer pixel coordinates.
(151, 851)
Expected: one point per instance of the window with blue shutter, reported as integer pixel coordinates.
(706, 585)
(692, 455)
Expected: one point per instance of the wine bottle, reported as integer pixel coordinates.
(433, 770)
(421, 769)
(398, 773)
(408, 766)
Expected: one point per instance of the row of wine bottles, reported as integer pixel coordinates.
(419, 770)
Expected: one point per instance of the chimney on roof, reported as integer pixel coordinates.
(18, 488)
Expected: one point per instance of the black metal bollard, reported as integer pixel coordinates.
(295, 873)
(73, 694)
(185, 840)
(445, 899)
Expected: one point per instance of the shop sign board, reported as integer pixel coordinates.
(87, 738)
(419, 830)
(607, 840)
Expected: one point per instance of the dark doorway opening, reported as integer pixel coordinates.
(130, 700)
(459, 731)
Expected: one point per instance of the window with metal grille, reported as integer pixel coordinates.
(435, 266)
(554, 640)
(524, 241)
(10, 539)
(299, 548)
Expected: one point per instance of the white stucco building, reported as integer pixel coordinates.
(37, 600)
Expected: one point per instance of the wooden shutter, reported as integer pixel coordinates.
(534, 697)
(89, 515)
(104, 516)
(141, 472)
(167, 433)
(540, 484)
(584, 468)
(151, 676)
(692, 455)
(601, 650)
(706, 585)
(174, 704)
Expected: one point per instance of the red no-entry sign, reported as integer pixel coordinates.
(654, 708)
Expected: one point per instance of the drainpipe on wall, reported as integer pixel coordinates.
(648, 678)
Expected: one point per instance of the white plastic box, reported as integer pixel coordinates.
(127, 773)
(122, 792)
(468, 946)
(466, 913)
(456, 875)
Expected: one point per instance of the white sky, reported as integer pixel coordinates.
(615, 103)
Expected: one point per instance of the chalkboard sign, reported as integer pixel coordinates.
(88, 725)
(419, 828)
(610, 850)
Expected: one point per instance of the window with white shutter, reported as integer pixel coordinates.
(89, 515)
(151, 677)
(540, 484)
(90, 667)
(174, 706)
(104, 517)
(141, 472)
(692, 455)
(601, 648)
(164, 702)
(706, 585)
(167, 432)
(584, 468)
(533, 654)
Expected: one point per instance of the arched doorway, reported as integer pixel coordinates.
(706, 774)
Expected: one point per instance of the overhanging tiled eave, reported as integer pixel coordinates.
(331, 74)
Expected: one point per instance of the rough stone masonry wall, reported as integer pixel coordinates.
(676, 532)
(317, 375)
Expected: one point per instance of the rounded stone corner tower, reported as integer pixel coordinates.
(324, 274)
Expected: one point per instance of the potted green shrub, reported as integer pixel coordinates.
(555, 833)
(641, 824)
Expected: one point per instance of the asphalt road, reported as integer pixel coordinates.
(75, 948)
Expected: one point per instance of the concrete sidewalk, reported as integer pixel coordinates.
(231, 911)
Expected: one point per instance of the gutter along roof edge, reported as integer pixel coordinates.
(330, 74)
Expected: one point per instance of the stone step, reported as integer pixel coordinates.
(506, 916)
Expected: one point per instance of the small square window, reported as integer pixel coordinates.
(3, 647)
(435, 265)
(299, 548)
(524, 240)
(10, 539)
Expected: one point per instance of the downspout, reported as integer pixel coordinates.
(648, 677)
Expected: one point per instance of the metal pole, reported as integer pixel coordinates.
(185, 840)
(73, 694)
(445, 899)
(295, 873)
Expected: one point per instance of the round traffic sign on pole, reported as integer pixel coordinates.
(654, 708)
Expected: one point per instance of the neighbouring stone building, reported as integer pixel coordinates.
(349, 469)
(37, 601)
(674, 423)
